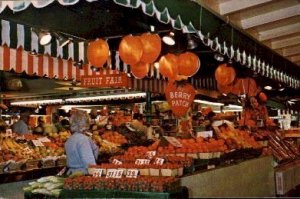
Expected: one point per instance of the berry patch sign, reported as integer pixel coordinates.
(180, 96)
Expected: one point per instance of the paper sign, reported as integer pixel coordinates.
(8, 133)
(173, 141)
(37, 143)
(142, 161)
(116, 162)
(62, 171)
(132, 173)
(97, 172)
(211, 166)
(205, 134)
(44, 139)
(114, 173)
(151, 154)
(159, 161)
(105, 80)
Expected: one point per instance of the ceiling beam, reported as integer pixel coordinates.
(295, 58)
(279, 32)
(285, 42)
(270, 17)
(237, 5)
(291, 51)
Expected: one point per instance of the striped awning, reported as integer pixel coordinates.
(180, 17)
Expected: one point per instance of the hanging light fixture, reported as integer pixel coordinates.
(62, 40)
(192, 44)
(79, 64)
(219, 57)
(169, 39)
(43, 35)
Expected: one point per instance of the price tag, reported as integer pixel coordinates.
(97, 173)
(44, 139)
(62, 171)
(116, 162)
(132, 173)
(142, 161)
(37, 143)
(159, 161)
(173, 141)
(114, 173)
(151, 154)
(8, 133)
(211, 166)
(205, 134)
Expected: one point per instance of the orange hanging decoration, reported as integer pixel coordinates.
(262, 97)
(151, 47)
(249, 87)
(225, 74)
(140, 70)
(224, 89)
(97, 52)
(168, 66)
(188, 64)
(131, 49)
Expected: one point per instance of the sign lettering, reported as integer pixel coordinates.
(114, 173)
(107, 80)
(132, 173)
(142, 161)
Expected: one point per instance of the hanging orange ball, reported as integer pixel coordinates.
(262, 97)
(188, 64)
(131, 49)
(168, 66)
(140, 70)
(225, 74)
(151, 47)
(98, 52)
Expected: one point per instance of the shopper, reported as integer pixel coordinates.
(81, 151)
(39, 129)
(21, 126)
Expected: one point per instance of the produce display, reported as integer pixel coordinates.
(141, 183)
(30, 152)
(50, 186)
(283, 149)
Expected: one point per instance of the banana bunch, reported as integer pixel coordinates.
(109, 147)
(10, 144)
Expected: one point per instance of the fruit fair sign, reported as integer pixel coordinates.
(104, 81)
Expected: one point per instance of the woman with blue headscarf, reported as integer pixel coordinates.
(80, 149)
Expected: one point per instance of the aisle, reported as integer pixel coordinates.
(13, 190)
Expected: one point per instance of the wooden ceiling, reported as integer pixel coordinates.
(274, 23)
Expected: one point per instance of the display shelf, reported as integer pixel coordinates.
(23, 175)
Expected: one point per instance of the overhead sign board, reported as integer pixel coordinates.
(104, 81)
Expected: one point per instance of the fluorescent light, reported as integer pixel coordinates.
(37, 102)
(268, 87)
(106, 97)
(232, 106)
(209, 103)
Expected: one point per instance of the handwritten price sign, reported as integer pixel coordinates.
(37, 143)
(116, 162)
(151, 154)
(159, 161)
(132, 173)
(114, 173)
(142, 161)
(97, 173)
